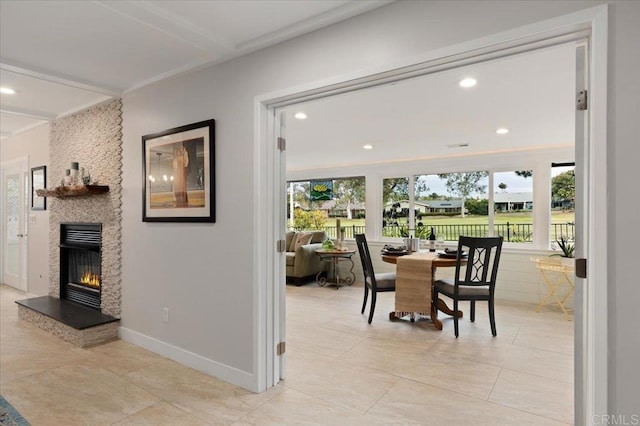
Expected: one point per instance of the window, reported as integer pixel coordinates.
(395, 207)
(563, 194)
(453, 204)
(341, 200)
(513, 205)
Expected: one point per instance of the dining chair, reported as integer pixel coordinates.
(479, 280)
(380, 282)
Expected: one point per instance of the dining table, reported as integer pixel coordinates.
(432, 261)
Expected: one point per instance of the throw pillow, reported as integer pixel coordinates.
(292, 243)
(289, 237)
(303, 238)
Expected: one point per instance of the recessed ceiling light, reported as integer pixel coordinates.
(7, 91)
(467, 82)
(300, 115)
(502, 131)
(367, 146)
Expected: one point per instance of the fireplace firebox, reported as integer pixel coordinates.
(81, 263)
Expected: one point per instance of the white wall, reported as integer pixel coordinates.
(203, 272)
(624, 175)
(34, 143)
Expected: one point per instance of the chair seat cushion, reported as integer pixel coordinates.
(384, 280)
(446, 286)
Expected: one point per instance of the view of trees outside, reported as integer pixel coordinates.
(439, 201)
(513, 205)
(348, 205)
(453, 203)
(563, 196)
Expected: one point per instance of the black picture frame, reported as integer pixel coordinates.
(178, 174)
(38, 181)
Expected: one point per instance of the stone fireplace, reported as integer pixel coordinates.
(85, 231)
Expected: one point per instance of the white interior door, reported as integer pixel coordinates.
(281, 210)
(582, 234)
(15, 184)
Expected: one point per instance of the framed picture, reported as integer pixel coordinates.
(38, 181)
(179, 174)
(321, 190)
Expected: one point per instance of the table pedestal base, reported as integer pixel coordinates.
(442, 306)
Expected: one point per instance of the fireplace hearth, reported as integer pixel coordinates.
(80, 263)
(76, 315)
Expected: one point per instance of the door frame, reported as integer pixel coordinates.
(23, 266)
(268, 179)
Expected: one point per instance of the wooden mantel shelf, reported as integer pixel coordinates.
(73, 191)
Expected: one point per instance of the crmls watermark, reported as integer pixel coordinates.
(616, 419)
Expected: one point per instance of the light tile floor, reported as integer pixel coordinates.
(340, 371)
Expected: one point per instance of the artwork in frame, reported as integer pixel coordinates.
(38, 181)
(179, 174)
(321, 190)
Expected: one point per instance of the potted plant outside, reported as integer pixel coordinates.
(567, 249)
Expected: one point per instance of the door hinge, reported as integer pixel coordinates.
(282, 144)
(582, 100)
(280, 246)
(581, 268)
(281, 348)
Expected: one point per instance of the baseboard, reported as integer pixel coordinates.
(221, 371)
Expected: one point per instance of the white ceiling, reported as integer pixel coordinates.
(62, 56)
(532, 94)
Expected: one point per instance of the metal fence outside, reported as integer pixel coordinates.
(512, 232)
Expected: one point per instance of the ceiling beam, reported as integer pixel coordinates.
(160, 19)
(53, 77)
(313, 23)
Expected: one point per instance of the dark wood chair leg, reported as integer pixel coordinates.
(373, 306)
(492, 318)
(473, 310)
(455, 317)
(366, 296)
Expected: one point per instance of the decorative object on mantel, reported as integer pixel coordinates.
(38, 182)
(73, 191)
(179, 174)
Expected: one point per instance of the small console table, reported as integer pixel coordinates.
(333, 258)
(556, 275)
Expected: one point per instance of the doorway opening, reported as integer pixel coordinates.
(412, 148)
(591, 25)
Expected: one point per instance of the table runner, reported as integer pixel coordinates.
(413, 284)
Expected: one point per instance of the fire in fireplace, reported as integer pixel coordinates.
(80, 263)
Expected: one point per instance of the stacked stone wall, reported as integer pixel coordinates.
(93, 138)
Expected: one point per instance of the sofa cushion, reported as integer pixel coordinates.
(302, 239)
(318, 237)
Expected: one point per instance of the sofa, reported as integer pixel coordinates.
(302, 261)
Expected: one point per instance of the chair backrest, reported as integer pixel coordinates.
(482, 261)
(365, 258)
